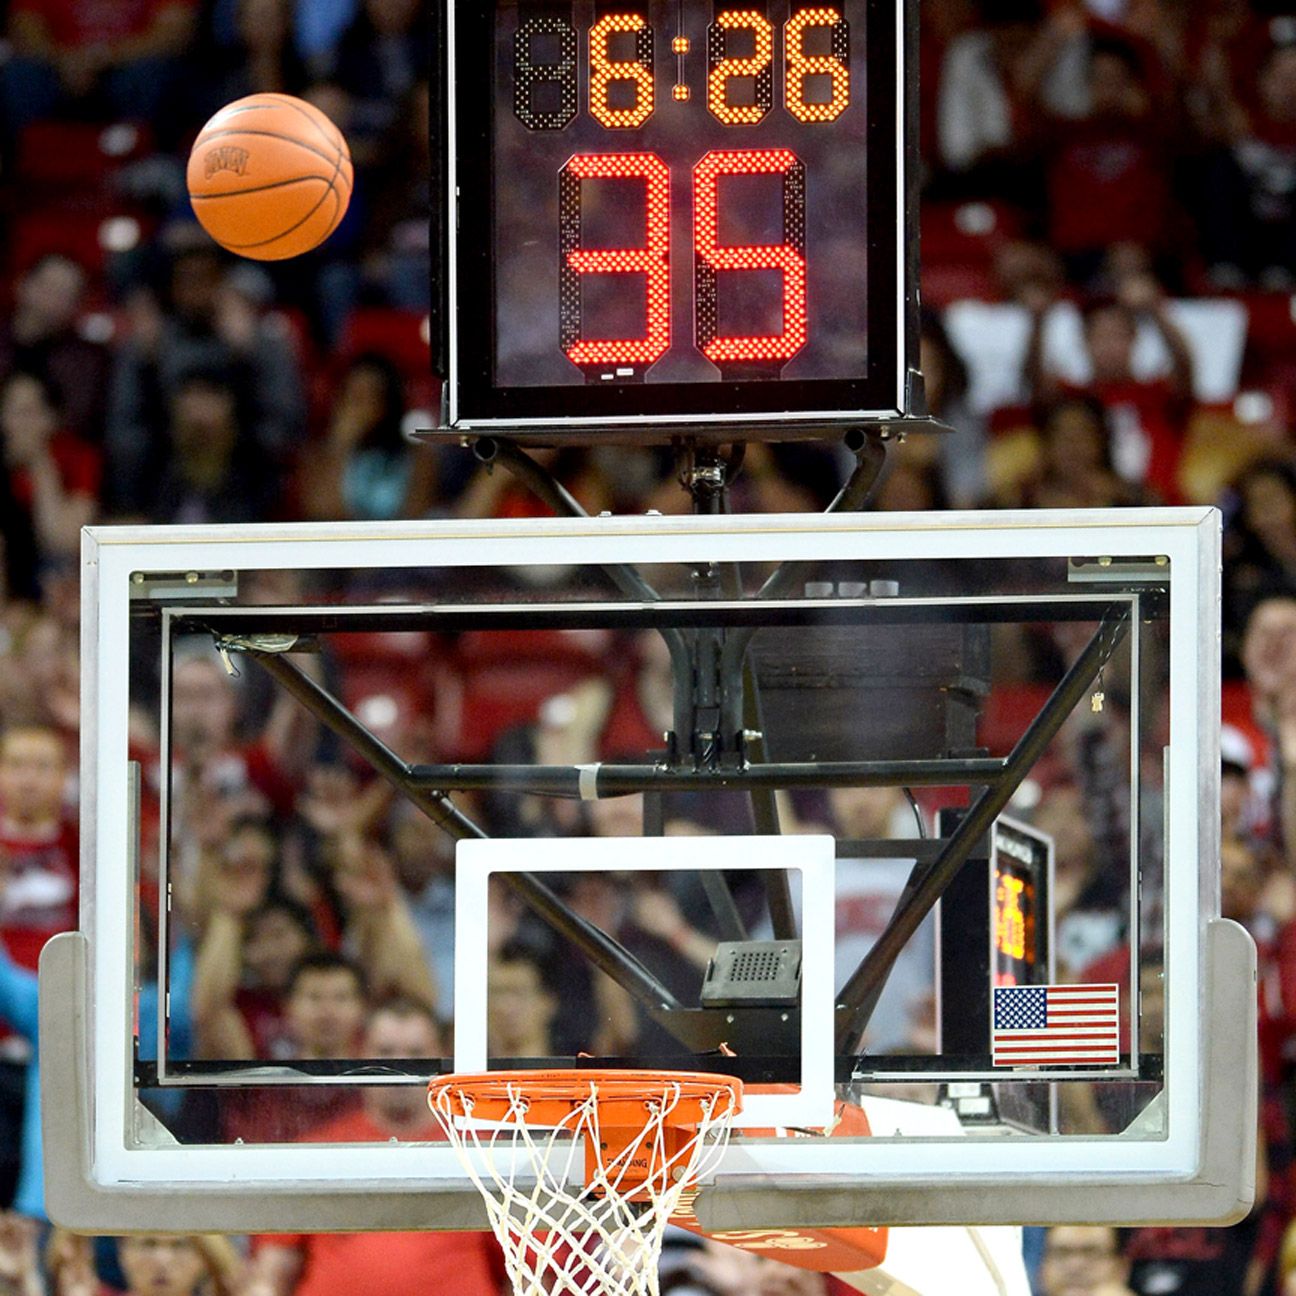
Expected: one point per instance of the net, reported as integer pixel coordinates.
(568, 1229)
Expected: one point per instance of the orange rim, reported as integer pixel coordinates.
(622, 1097)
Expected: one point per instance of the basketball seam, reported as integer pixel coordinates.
(287, 139)
(287, 101)
(234, 247)
(290, 101)
(274, 184)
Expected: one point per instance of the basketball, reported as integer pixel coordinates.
(270, 177)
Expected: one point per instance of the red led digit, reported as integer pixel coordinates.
(652, 261)
(710, 256)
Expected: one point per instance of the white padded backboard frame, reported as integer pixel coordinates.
(107, 1171)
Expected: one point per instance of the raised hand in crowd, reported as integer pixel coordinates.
(20, 1273)
(379, 924)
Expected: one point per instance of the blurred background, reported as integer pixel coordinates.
(1109, 284)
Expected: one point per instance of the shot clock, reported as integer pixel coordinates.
(676, 217)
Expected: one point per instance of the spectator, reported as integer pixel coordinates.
(263, 58)
(366, 467)
(53, 476)
(1075, 467)
(1084, 1260)
(1259, 545)
(219, 776)
(119, 57)
(424, 858)
(520, 1006)
(326, 1001)
(1269, 659)
(986, 83)
(213, 471)
(39, 334)
(213, 323)
(153, 1264)
(380, 57)
(248, 933)
(373, 1264)
(1148, 416)
(1247, 207)
(19, 1259)
(1108, 170)
(1088, 900)
(724, 1270)
(38, 842)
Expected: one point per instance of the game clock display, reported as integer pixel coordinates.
(677, 216)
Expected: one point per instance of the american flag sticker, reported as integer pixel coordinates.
(1056, 1025)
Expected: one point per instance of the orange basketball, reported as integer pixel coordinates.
(270, 177)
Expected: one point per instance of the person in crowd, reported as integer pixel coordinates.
(1075, 468)
(988, 77)
(1148, 415)
(213, 322)
(395, 249)
(1259, 545)
(243, 990)
(1247, 204)
(20, 1269)
(366, 468)
(1108, 169)
(213, 471)
(39, 334)
(1269, 660)
(121, 58)
(326, 1002)
(423, 855)
(152, 1264)
(378, 60)
(263, 58)
(1084, 1260)
(54, 476)
(221, 775)
(868, 890)
(375, 1264)
(520, 1004)
(38, 842)
(715, 1269)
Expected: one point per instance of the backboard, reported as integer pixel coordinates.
(854, 807)
(677, 218)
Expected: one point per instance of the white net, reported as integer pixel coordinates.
(572, 1225)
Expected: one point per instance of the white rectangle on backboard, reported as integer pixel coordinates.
(810, 856)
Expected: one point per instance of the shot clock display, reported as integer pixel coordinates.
(676, 212)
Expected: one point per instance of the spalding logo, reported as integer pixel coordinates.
(225, 158)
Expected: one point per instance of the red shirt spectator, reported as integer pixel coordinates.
(369, 1264)
(38, 845)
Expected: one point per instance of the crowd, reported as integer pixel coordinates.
(1109, 227)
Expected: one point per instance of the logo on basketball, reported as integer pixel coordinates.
(225, 158)
(770, 1240)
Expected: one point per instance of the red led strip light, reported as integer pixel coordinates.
(775, 256)
(652, 261)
